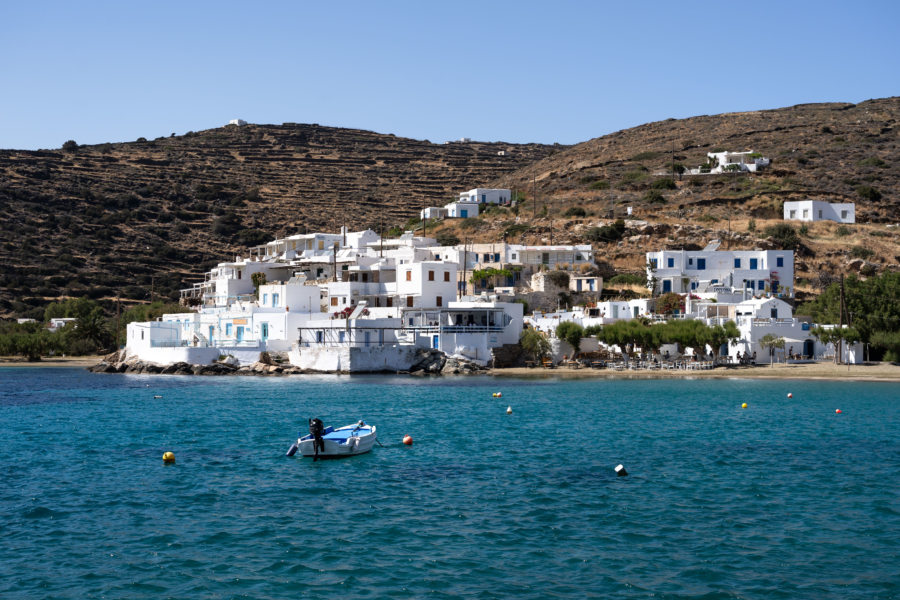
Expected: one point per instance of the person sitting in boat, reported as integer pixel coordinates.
(317, 429)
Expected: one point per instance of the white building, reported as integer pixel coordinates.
(237, 122)
(742, 161)
(433, 212)
(462, 210)
(486, 196)
(756, 271)
(816, 210)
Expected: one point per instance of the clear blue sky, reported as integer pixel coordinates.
(513, 71)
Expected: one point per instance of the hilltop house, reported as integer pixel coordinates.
(816, 210)
(725, 162)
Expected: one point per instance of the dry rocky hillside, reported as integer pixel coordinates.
(831, 152)
(118, 219)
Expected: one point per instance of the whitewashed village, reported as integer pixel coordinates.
(355, 302)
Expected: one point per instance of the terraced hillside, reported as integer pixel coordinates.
(831, 152)
(134, 218)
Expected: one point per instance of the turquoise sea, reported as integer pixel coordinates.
(784, 499)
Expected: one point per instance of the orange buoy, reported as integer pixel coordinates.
(790, 395)
(838, 411)
(407, 439)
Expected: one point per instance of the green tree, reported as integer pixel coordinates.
(258, 279)
(534, 344)
(771, 342)
(571, 333)
(70, 146)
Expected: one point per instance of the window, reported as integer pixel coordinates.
(439, 301)
(774, 313)
(670, 262)
(321, 244)
(446, 275)
(227, 328)
(792, 214)
(309, 244)
(805, 213)
(274, 299)
(514, 257)
(239, 274)
(430, 275)
(334, 301)
(265, 299)
(843, 214)
(753, 264)
(390, 301)
(737, 263)
(409, 301)
(653, 263)
(693, 285)
(409, 275)
(701, 264)
(691, 262)
(779, 261)
(496, 257)
(820, 214)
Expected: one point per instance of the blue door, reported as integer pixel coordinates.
(435, 342)
(753, 264)
(368, 338)
(667, 285)
(464, 213)
(239, 335)
(264, 331)
(211, 330)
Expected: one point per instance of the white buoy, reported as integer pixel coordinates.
(620, 471)
(509, 410)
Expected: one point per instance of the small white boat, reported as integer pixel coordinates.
(328, 442)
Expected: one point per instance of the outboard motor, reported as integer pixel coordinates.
(317, 430)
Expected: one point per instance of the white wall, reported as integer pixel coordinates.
(816, 210)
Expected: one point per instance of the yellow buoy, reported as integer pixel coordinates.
(744, 405)
(168, 457)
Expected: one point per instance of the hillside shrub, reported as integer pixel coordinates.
(664, 183)
(606, 233)
(872, 161)
(842, 231)
(861, 252)
(654, 197)
(600, 184)
(516, 229)
(867, 192)
(784, 234)
(574, 211)
(627, 279)
(447, 238)
(70, 146)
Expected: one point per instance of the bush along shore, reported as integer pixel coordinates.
(430, 362)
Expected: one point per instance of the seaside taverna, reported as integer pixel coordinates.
(355, 302)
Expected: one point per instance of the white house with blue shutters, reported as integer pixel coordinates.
(486, 196)
(462, 210)
(757, 272)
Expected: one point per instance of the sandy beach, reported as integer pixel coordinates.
(52, 361)
(866, 372)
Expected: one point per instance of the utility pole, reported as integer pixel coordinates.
(673, 159)
(465, 265)
(840, 342)
(381, 238)
(533, 196)
(152, 284)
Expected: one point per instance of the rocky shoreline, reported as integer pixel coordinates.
(430, 362)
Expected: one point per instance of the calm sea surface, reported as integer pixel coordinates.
(784, 499)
